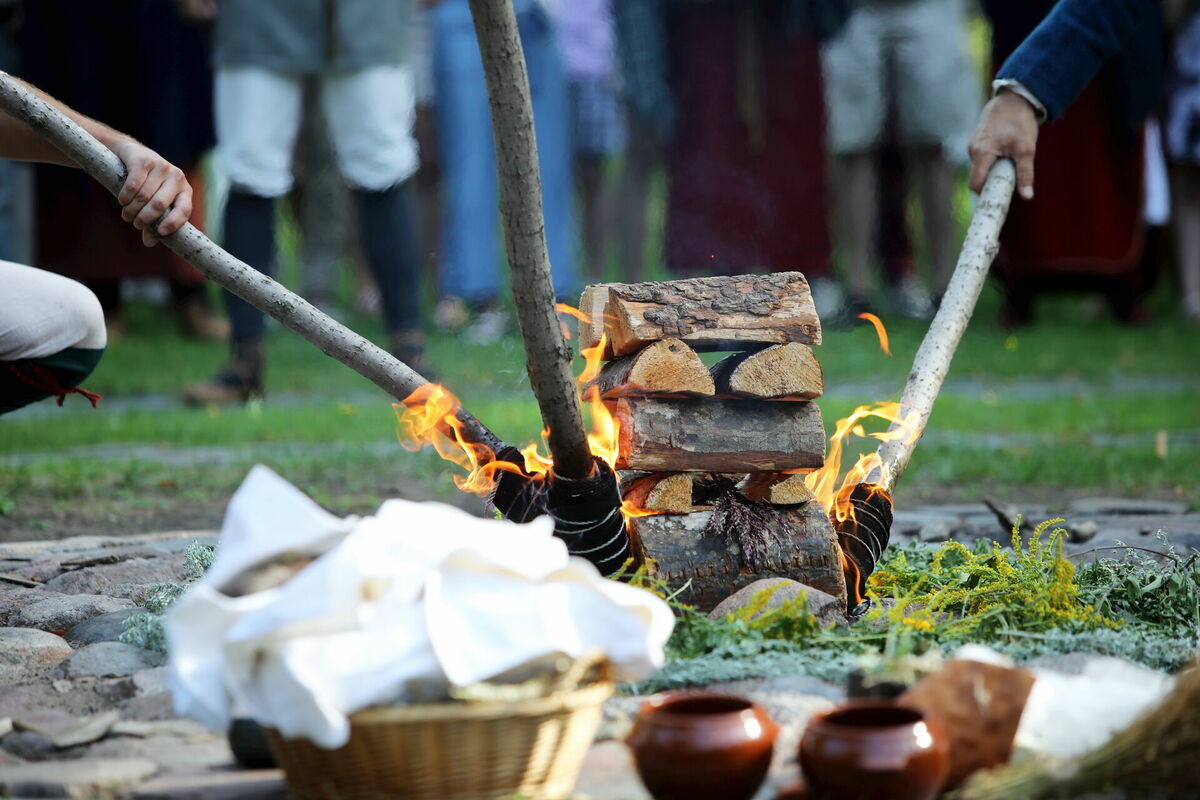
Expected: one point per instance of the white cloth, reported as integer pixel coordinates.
(420, 592)
(42, 313)
(370, 114)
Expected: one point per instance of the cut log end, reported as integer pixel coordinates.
(665, 493)
(781, 371)
(668, 367)
(778, 489)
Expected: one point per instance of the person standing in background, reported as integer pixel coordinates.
(1181, 137)
(597, 125)
(921, 43)
(263, 50)
(470, 259)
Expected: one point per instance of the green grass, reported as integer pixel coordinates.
(1073, 404)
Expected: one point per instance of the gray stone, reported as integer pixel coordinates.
(28, 746)
(608, 774)
(64, 613)
(104, 628)
(127, 579)
(825, 607)
(7, 759)
(1097, 506)
(107, 660)
(65, 730)
(150, 707)
(173, 754)
(935, 531)
(150, 681)
(85, 779)
(25, 650)
(1083, 532)
(41, 570)
(13, 599)
(264, 784)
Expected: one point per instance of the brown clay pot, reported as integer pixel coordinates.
(691, 746)
(874, 751)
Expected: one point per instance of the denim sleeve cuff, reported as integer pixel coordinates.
(1022, 91)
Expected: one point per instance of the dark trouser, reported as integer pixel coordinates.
(29, 380)
(388, 234)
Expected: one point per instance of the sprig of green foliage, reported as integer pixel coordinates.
(146, 630)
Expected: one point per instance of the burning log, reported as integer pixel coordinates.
(778, 489)
(715, 435)
(660, 492)
(668, 367)
(784, 370)
(719, 313)
(689, 550)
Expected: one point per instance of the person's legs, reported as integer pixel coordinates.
(935, 179)
(257, 118)
(371, 114)
(51, 335)
(1185, 189)
(469, 255)
(641, 156)
(853, 69)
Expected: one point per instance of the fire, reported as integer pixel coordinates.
(428, 417)
(879, 330)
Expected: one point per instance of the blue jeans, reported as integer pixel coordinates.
(470, 255)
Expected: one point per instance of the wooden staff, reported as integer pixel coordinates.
(267, 295)
(932, 361)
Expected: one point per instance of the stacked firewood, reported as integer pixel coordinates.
(707, 452)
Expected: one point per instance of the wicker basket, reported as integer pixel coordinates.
(457, 751)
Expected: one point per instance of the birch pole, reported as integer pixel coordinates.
(548, 356)
(267, 295)
(932, 361)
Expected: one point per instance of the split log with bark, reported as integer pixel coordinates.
(799, 543)
(717, 435)
(781, 371)
(776, 488)
(668, 367)
(661, 492)
(718, 313)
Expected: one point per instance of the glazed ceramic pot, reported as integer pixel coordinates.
(874, 751)
(691, 746)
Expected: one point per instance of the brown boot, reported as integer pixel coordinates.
(409, 347)
(198, 320)
(236, 382)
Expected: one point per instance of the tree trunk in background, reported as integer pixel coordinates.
(548, 355)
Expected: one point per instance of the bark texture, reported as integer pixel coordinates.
(932, 361)
(712, 435)
(718, 313)
(547, 354)
(783, 370)
(331, 337)
(683, 550)
(668, 367)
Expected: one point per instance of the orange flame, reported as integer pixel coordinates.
(879, 330)
(427, 417)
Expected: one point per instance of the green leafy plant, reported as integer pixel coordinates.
(146, 630)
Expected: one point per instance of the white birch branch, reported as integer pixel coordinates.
(932, 361)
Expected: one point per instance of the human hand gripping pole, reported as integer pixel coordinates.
(331, 337)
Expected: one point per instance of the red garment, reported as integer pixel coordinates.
(731, 207)
(1084, 226)
(80, 233)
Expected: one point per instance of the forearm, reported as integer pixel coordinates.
(1068, 48)
(20, 142)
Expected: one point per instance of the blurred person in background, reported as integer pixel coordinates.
(263, 49)
(910, 53)
(469, 263)
(137, 65)
(16, 179)
(1181, 137)
(1084, 228)
(732, 91)
(52, 332)
(597, 125)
